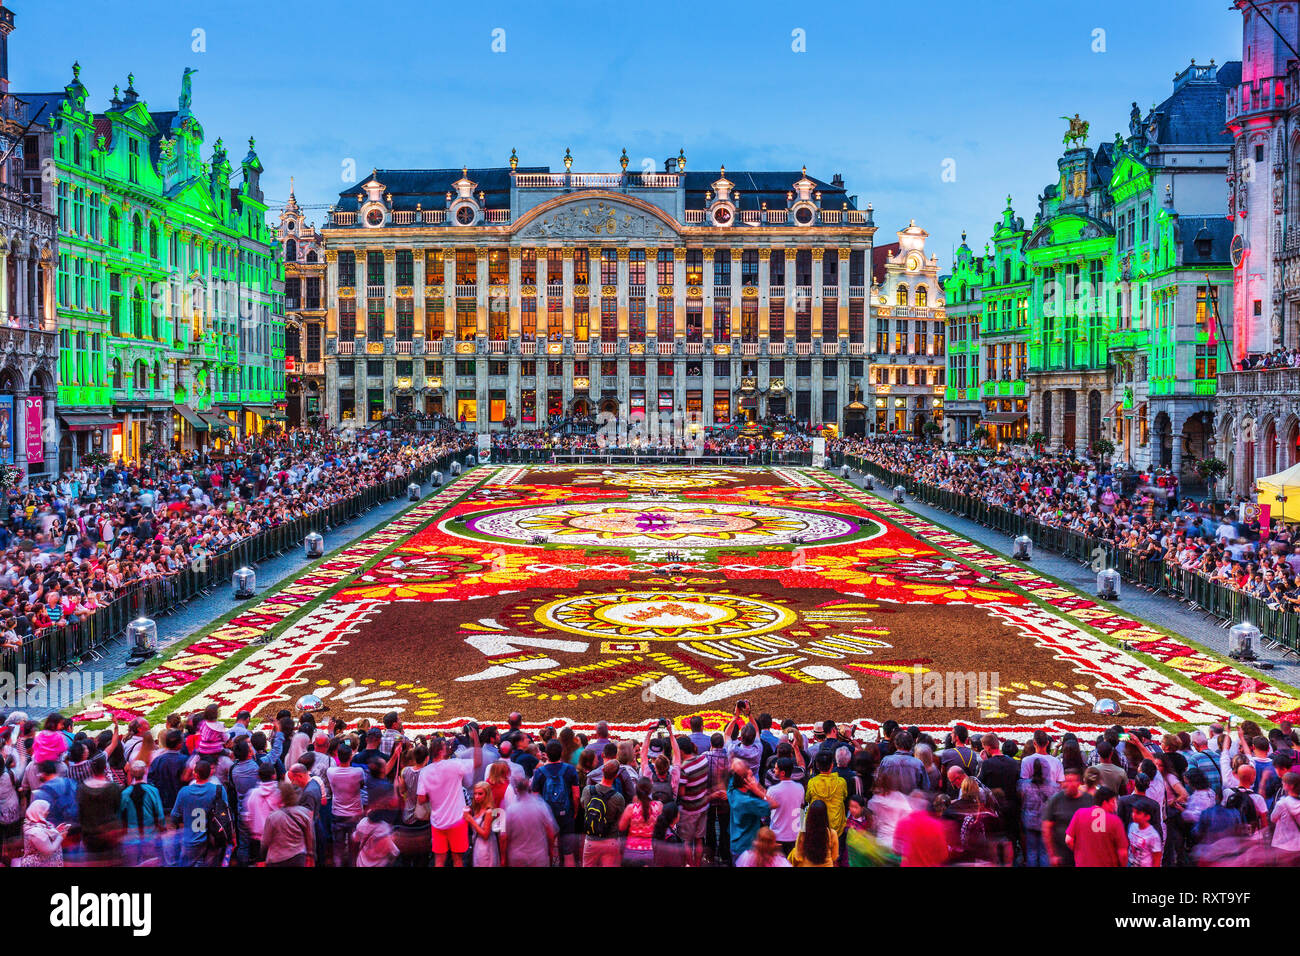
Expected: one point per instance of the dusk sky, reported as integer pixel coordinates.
(884, 94)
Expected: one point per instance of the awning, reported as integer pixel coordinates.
(264, 411)
(1004, 418)
(216, 422)
(191, 416)
(85, 421)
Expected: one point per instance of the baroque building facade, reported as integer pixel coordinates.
(28, 251)
(169, 284)
(1102, 320)
(302, 248)
(521, 296)
(907, 369)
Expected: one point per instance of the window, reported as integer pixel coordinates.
(581, 266)
(466, 320)
(405, 267)
(347, 319)
(133, 159)
(776, 320)
(665, 269)
(528, 268)
(608, 319)
(608, 267)
(695, 267)
(636, 267)
(636, 318)
(1207, 363)
(721, 320)
(405, 320)
(347, 268)
(803, 267)
(114, 228)
(721, 268)
(554, 266)
(375, 320)
(528, 318)
(749, 267)
(900, 297)
(434, 266)
(374, 268)
(466, 267)
(499, 267)
(922, 297)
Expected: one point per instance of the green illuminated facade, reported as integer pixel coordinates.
(1102, 319)
(169, 285)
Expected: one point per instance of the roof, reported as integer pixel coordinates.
(1218, 229)
(757, 187)
(879, 256)
(429, 187)
(1193, 113)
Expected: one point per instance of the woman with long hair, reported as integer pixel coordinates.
(569, 741)
(817, 844)
(498, 778)
(764, 851)
(668, 847)
(485, 823)
(638, 822)
(1034, 792)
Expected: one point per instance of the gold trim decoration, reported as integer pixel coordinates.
(844, 253)
(390, 255)
(665, 290)
(608, 291)
(434, 291)
(567, 253)
(679, 254)
(464, 348)
(581, 384)
(636, 348)
(523, 290)
(817, 253)
(764, 254)
(516, 252)
(404, 383)
(347, 292)
(331, 255)
(749, 292)
(433, 383)
(403, 292)
(694, 292)
(737, 253)
(624, 254)
(581, 290)
(722, 350)
(374, 348)
(790, 254)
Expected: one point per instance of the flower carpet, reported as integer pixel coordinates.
(579, 593)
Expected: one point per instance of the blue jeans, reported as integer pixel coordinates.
(1035, 849)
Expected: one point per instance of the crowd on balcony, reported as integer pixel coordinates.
(1278, 358)
(1084, 496)
(72, 545)
(762, 792)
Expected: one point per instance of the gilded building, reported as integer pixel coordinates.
(303, 249)
(525, 296)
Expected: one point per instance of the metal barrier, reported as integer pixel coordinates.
(56, 647)
(1191, 587)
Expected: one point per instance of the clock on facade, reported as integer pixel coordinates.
(722, 216)
(803, 215)
(375, 217)
(465, 216)
(1237, 250)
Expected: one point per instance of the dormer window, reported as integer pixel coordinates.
(133, 159)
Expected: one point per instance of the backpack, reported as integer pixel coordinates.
(661, 789)
(554, 792)
(220, 827)
(596, 817)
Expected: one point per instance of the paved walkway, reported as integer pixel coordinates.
(200, 612)
(1157, 609)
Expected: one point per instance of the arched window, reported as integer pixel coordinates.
(76, 150)
(153, 240)
(922, 296)
(901, 296)
(138, 312)
(290, 251)
(1006, 271)
(141, 377)
(137, 235)
(117, 373)
(311, 255)
(157, 375)
(114, 228)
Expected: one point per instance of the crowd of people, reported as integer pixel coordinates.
(72, 545)
(758, 793)
(1151, 522)
(1278, 358)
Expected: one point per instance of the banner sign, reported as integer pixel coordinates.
(33, 427)
(7, 428)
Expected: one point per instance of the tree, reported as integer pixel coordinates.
(1037, 439)
(980, 434)
(1103, 448)
(931, 429)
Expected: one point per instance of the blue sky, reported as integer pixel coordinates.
(883, 94)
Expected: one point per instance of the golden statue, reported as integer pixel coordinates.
(1077, 133)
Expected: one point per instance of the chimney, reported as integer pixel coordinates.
(670, 164)
(837, 180)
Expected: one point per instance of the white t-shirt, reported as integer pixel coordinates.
(1143, 844)
(443, 782)
(1286, 824)
(1053, 772)
(785, 815)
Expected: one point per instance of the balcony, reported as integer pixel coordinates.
(581, 348)
(694, 348)
(830, 348)
(1263, 96)
(497, 347)
(433, 217)
(338, 218)
(375, 291)
(466, 290)
(857, 348)
(775, 292)
(748, 348)
(1269, 382)
(496, 216)
(636, 291)
(346, 347)
(776, 348)
(803, 348)
(404, 347)
(608, 348)
(554, 290)
(666, 348)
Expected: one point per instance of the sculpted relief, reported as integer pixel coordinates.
(595, 218)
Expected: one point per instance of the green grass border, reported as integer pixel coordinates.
(1158, 666)
(222, 669)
